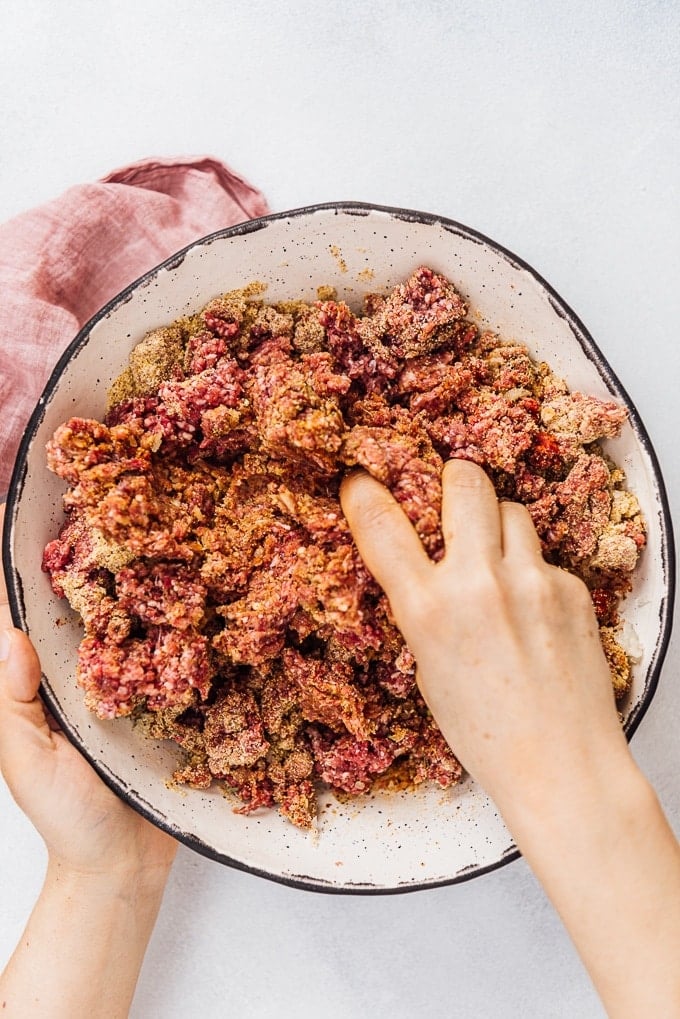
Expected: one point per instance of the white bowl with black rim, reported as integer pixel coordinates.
(386, 841)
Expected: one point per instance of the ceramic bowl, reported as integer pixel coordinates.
(384, 842)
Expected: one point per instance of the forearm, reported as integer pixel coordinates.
(511, 665)
(83, 947)
(615, 881)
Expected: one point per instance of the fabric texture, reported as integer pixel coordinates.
(61, 262)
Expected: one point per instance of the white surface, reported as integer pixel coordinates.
(552, 128)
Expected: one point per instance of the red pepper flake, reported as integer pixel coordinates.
(605, 602)
(544, 454)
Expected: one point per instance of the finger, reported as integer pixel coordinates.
(20, 679)
(519, 537)
(384, 535)
(22, 718)
(471, 522)
(20, 668)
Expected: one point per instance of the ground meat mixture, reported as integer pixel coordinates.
(225, 604)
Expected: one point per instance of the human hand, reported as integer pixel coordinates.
(507, 648)
(510, 663)
(86, 827)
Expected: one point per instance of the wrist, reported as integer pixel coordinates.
(586, 807)
(607, 859)
(87, 925)
(122, 881)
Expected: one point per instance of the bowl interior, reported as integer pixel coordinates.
(385, 841)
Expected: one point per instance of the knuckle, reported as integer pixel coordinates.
(565, 590)
(422, 602)
(478, 589)
(517, 513)
(537, 584)
(575, 590)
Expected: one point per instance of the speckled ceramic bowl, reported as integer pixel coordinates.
(385, 842)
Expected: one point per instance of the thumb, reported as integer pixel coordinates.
(19, 668)
(385, 537)
(23, 726)
(28, 761)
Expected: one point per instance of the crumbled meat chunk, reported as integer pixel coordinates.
(618, 661)
(585, 417)
(419, 316)
(159, 593)
(157, 358)
(349, 764)
(233, 734)
(225, 604)
(161, 670)
(294, 420)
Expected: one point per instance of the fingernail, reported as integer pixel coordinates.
(5, 641)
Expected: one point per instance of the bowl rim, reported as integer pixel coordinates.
(590, 350)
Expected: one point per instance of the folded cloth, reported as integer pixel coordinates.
(63, 261)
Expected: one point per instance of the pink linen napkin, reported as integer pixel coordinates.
(61, 262)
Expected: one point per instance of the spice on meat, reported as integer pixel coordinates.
(225, 604)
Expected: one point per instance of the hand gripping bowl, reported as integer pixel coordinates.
(384, 842)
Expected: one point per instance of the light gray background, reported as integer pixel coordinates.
(553, 128)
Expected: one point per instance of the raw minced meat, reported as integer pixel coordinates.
(224, 601)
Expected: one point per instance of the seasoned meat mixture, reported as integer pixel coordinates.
(224, 602)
